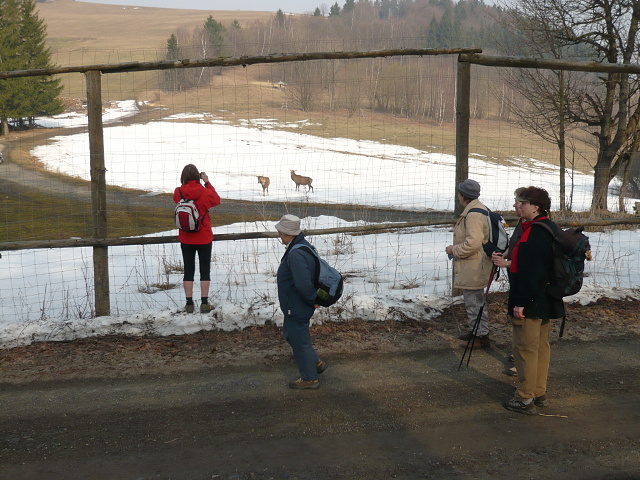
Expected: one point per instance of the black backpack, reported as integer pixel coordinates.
(570, 250)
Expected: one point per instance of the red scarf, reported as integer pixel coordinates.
(526, 230)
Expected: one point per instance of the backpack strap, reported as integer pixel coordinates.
(479, 210)
(554, 235)
(314, 254)
(181, 195)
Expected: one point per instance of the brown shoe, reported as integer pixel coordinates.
(189, 307)
(484, 340)
(320, 366)
(301, 384)
(206, 308)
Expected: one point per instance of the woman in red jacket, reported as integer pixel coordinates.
(191, 242)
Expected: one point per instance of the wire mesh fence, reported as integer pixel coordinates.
(377, 135)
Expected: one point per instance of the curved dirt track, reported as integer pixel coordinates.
(14, 178)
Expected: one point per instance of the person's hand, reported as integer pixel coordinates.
(518, 312)
(204, 177)
(498, 259)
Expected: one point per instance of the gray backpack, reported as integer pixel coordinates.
(328, 281)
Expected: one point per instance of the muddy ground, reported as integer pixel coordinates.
(392, 405)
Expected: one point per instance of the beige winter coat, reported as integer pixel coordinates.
(471, 266)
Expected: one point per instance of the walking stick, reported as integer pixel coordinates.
(476, 324)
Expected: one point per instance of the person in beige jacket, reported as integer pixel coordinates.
(471, 266)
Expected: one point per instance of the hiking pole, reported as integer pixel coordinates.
(564, 319)
(476, 324)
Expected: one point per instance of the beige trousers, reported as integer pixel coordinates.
(532, 353)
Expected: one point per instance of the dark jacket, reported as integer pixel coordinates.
(205, 198)
(533, 271)
(296, 272)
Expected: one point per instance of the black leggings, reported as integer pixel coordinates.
(189, 258)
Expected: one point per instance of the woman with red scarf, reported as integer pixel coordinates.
(530, 307)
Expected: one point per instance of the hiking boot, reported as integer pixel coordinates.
(466, 336)
(206, 308)
(189, 307)
(320, 366)
(301, 384)
(511, 371)
(541, 401)
(485, 341)
(519, 406)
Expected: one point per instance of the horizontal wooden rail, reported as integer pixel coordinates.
(237, 61)
(548, 64)
(222, 237)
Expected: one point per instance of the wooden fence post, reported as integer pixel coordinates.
(462, 128)
(98, 192)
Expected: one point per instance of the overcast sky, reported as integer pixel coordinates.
(289, 6)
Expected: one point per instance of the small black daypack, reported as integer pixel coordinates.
(571, 249)
(498, 236)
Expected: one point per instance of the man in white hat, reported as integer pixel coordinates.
(297, 295)
(471, 266)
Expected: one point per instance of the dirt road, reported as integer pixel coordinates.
(392, 405)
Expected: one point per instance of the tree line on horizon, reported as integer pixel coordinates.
(23, 47)
(562, 108)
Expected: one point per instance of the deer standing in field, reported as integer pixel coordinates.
(264, 181)
(300, 180)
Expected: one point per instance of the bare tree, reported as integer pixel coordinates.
(603, 31)
(303, 81)
(542, 108)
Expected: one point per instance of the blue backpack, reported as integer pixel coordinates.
(328, 281)
(498, 236)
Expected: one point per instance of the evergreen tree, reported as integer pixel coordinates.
(348, 6)
(334, 11)
(280, 18)
(22, 47)
(173, 50)
(43, 92)
(9, 59)
(317, 12)
(448, 29)
(171, 75)
(432, 34)
(215, 31)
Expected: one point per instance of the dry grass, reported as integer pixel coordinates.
(82, 33)
(88, 33)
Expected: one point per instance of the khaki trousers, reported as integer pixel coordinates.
(532, 354)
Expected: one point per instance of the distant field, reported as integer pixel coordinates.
(86, 33)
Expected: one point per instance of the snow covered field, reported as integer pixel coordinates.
(48, 294)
